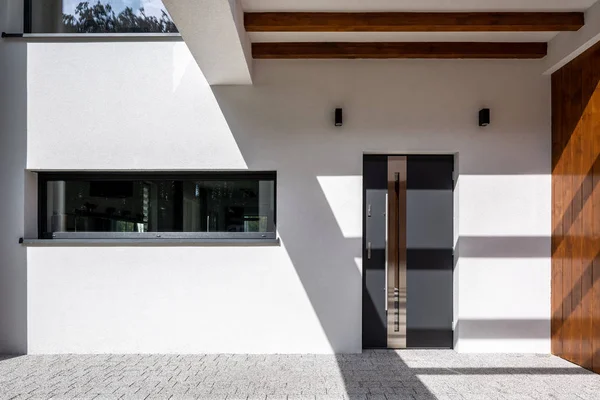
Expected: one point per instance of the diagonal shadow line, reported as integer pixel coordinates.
(578, 197)
(593, 367)
(503, 246)
(358, 381)
(564, 135)
(588, 363)
(306, 248)
(559, 323)
(561, 100)
(522, 329)
(563, 143)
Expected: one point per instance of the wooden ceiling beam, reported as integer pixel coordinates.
(413, 22)
(382, 50)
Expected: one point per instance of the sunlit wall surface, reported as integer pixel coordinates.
(154, 111)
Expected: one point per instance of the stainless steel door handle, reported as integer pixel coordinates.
(368, 250)
(397, 309)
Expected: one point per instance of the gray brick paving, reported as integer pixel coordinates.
(373, 375)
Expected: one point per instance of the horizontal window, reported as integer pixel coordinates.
(97, 16)
(208, 205)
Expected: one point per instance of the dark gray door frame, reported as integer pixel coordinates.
(408, 251)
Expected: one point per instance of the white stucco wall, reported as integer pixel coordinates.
(147, 106)
(13, 146)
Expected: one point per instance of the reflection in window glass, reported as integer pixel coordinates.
(156, 205)
(229, 206)
(100, 16)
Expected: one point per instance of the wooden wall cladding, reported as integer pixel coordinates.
(576, 211)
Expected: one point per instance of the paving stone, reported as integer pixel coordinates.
(411, 374)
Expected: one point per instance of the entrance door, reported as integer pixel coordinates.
(408, 251)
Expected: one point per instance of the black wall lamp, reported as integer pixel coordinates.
(484, 117)
(338, 117)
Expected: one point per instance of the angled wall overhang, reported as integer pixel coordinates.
(214, 32)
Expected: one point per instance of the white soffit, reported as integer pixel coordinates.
(214, 32)
(416, 5)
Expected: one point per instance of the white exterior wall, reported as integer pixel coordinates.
(13, 146)
(146, 106)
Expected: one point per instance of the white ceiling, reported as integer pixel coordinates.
(401, 36)
(416, 5)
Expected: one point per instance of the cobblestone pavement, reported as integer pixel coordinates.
(372, 375)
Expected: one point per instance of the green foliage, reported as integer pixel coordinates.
(101, 18)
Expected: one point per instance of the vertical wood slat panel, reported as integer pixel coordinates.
(576, 223)
(595, 130)
(563, 138)
(560, 94)
(566, 218)
(576, 210)
(556, 289)
(587, 163)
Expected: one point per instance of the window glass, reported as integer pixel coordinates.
(240, 204)
(229, 206)
(100, 16)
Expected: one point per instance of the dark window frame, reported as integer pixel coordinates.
(27, 16)
(45, 177)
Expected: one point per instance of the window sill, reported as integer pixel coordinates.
(149, 242)
(91, 37)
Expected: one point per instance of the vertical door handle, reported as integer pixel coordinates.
(368, 250)
(397, 310)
